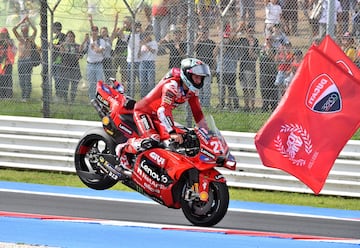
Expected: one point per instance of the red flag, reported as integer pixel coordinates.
(329, 47)
(334, 52)
(316, 117)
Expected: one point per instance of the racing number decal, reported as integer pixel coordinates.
(216, 146)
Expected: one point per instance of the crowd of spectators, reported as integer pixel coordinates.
(258, 56)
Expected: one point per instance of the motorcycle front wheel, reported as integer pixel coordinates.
(93, 143)
(207, 213)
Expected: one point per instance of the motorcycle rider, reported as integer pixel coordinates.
(178, 86)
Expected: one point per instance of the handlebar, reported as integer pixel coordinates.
(190, 145)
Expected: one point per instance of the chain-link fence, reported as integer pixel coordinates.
(253, 48)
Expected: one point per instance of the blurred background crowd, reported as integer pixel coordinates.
(253, 47)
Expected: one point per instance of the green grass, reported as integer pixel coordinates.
(69, 179)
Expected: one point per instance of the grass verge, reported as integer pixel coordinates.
(69, 179)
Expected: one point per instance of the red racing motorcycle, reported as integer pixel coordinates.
(175, 175)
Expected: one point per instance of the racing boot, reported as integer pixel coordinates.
(123, 156)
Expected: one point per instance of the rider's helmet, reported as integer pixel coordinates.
(192, 66)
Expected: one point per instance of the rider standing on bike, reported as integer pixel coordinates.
(177, 87)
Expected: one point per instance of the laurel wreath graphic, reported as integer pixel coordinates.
(306, 139)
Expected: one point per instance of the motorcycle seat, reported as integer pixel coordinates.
(129, 120)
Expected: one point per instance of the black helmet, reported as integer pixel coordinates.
(192, 66)
(57, 26)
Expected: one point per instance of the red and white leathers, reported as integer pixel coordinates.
(157, 106)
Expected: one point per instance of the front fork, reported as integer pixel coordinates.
(199, 189)
(192, 193)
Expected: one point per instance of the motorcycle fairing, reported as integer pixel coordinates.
(157, 171)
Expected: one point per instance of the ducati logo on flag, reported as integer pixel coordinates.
(323, 95)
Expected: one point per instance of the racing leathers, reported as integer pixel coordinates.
(153, 114)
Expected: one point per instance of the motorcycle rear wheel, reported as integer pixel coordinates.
(207, 213)
(93, 143)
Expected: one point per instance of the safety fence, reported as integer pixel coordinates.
(229, 35)
(49, 144)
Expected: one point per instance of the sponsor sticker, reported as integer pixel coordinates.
(157, 158)
(152, 174)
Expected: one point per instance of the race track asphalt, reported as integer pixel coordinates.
(70, 232)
